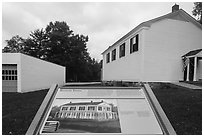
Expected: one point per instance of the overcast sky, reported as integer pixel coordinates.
(104, 23)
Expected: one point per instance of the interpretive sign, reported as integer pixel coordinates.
(98, 110)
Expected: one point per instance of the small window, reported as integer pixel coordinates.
(91, 108)
(134, 42)
(3, 77)
(99, 108)
(15, 72)
(72, 108)
(65, 108)
(108, 109)
(10, 77)
(15, 77)
(114, 55)
(108, 58)
(122, 50)
(81, 108)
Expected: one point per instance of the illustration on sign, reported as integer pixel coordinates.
(83, 116)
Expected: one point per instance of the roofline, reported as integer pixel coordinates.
(199, 50)
(149, 22)
(32, 57)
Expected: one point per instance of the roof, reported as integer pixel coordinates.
(192, 53)
(84, 103)
(25, 55)
(177, 15)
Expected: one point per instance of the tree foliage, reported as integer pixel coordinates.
(197, 11)
(58, 44)
(15, 44)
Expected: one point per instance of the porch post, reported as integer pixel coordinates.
(188, 67)
(195, 69)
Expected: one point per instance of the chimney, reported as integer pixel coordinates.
(175, 8)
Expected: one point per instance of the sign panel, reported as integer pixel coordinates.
(100, 111)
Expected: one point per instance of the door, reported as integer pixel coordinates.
(9, 78)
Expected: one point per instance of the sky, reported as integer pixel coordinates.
(103, 22)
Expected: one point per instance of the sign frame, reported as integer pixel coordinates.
(40, 116)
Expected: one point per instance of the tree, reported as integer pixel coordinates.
(58, 44)
(15, 45)
(35, 45)
(197, 11)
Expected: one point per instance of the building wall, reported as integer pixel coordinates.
(127, 68)
(38, 74)
(165, 42)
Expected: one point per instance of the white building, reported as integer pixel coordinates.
(100, 111)
(23, 73)
(154, 51)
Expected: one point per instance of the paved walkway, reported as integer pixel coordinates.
(186, 85)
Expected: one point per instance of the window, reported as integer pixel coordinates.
(81, 108)
(114, 54)
(99, 108)
(91, 108)
(122, 50)
(134, 42)
(108, 58)
(108, 109)
(9, 73)
(72, 108)
(64, 108)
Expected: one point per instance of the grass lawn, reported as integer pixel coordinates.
(92, 126)
(182, 106)
(19, 109)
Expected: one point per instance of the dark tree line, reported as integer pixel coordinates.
(197, 11)
(58, 44)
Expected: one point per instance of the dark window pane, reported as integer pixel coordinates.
(134, 43)
(114, 54)
(122, 50)
(131, 45)
(108, 58)
(15, 72)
